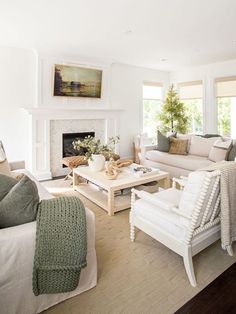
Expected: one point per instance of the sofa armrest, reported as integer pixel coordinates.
(17, 165)
(145, 148)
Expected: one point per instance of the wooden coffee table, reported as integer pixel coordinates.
(109, 194)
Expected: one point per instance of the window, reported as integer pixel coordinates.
(152, 102)
(191, 95)
(226, 105)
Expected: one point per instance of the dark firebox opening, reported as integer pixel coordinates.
(67, 146)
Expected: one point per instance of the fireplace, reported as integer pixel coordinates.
(67, 146)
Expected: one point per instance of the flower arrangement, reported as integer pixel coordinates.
(95, 147)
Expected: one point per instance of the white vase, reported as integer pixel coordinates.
(97, 164)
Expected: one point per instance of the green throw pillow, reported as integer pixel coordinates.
(6, 184)
(163, 142)
(20, 203)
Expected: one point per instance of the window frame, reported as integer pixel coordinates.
(154, 84)
(217, 80)
(194, 83)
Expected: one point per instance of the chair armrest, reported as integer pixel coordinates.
(145, 148)
(150, 198)
(182, 181)
(166, 205)
(17, 165)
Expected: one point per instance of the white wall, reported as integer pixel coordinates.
(207, 74)
(17, 90)
(24, 84)
(121, 89)
(26, 81)
(126, 93)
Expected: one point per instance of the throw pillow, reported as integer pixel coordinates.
(178, 146)
(232, 153)
(210, 135)
(4, 165)
(201, 146)
(6, 184)
(163, 142)
(20, 204)
(186, 137)
(220, 150)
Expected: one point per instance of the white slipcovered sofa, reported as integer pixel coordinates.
(16, 264)
(180, 165)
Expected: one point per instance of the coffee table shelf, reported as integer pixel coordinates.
(102, 191)
(100, 197)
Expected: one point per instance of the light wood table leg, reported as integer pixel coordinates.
(111, 203)
(166, 182)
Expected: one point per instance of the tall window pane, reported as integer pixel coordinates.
(226, 105)
(191, 96)
(224, 116)
(152, 102)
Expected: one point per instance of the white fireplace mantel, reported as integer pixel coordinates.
(39, 161)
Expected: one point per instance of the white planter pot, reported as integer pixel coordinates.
(98, 163)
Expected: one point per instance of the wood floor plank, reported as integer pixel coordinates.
(218, 297)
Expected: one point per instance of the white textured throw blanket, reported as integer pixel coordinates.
(228, 201)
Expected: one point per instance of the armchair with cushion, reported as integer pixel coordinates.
(186, 221)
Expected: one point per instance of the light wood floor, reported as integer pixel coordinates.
(140, 277)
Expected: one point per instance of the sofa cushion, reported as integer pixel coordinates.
(188, 162)
(201, 146)
(220, 150)
(4, 165)
(178, 146)
(20, 204)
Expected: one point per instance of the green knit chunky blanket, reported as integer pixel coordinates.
(61, 245)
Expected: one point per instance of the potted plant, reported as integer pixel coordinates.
(173, 117)
(96, 151)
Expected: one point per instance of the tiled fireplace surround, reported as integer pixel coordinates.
(48, 125)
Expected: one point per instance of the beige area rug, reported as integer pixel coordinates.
(140, 277)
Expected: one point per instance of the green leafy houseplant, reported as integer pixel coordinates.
(94, 146)
(174, 116)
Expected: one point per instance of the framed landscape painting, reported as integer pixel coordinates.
(73, 81)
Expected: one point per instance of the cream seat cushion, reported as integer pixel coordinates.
(188, 162)
(167, 220)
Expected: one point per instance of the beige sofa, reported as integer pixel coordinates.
(177, 165)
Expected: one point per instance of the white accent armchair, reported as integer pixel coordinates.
(186, 221)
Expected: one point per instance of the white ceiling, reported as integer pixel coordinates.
(137, 32)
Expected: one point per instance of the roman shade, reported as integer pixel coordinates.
(225, 86)
(152, 90)
(190, 90)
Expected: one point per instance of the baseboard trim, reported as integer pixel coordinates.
(43, 176)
